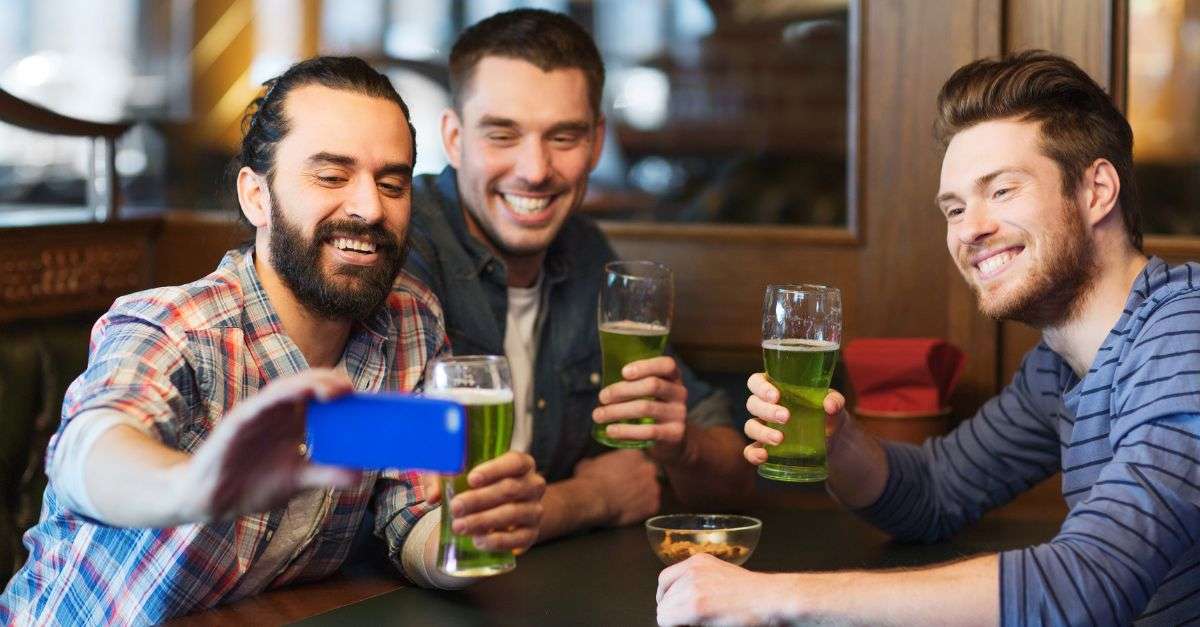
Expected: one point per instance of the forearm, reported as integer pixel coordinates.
(568, 506)
(135, 481)
(960, 593)
(858, 467)
(710, 473)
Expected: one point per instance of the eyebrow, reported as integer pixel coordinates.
(569, 126)
(394, 168)
(981, 182)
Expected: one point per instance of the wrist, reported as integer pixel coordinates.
(580, 501)
(677, 454)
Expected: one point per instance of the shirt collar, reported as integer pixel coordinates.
(364, 348)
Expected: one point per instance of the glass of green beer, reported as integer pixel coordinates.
(636, 303)
(802, 332)
(482, 384)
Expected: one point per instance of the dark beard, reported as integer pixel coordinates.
(1059, 289)
(354, 292)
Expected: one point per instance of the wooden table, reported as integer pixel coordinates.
(609, 577)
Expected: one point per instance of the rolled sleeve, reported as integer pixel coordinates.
(136, 370)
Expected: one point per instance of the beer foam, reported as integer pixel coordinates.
(472, 396)
(629, 327)
(801, 346)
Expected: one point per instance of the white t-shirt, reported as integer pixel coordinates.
(520, 346)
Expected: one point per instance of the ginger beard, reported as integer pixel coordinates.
(347, 291)
(1061, 268)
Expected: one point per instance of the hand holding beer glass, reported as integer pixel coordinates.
(802, 333)
(483, 386)
(634, 318)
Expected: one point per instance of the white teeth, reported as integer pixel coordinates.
(995, 262)
(345, 243)
(525, 204)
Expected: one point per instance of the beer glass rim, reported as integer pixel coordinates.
(651, 269)
(467, 360)
(802, 288)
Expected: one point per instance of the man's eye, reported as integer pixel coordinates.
(501, 137)
(954, 212)
(395, 191)
(565, 139)
(1000, 193)
(331, 180)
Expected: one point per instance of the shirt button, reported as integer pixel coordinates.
(270, 534)
(595, 378)
(541, 403)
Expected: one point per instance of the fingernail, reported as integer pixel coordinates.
(457, 527)
(781, 414)
(776, 439)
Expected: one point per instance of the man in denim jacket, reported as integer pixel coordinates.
(518, 271)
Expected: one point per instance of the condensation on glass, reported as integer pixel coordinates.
(1164, 110)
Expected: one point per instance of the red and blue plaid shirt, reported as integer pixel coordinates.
(177, 359)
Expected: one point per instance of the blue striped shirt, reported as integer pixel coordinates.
(1127, 440)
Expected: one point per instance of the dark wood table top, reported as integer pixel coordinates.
(609, 577)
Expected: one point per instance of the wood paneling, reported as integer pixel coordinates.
(60, 270)
(1079, 29)
(192, 243)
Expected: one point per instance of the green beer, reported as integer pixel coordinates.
(489, 435)
(801, 369)
(621, 343)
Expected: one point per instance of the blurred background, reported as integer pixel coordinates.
(730, 112)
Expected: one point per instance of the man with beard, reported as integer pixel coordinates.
(1042, 221)
(177, 479)
(498, 238)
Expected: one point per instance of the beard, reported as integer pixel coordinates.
(348, 292)
(1056, 289)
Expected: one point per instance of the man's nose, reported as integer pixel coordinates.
(976, 226)
(533, 163)
(365, 202)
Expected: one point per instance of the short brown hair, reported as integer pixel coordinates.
(1079, 122)
(549, 40)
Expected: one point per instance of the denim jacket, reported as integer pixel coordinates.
(471, 284)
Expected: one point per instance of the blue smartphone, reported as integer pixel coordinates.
(387, 430)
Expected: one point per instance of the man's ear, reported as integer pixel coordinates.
(1101, 187)
(452, 136)
(254, 197)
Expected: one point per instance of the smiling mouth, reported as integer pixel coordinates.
(352, 245)
(526, 205)
(996, 264)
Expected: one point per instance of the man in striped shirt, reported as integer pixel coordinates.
(1042, 221)
(176, 477)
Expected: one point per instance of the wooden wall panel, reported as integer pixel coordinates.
(67, 269)
(1079, 29)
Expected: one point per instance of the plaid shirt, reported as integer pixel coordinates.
(177, 359)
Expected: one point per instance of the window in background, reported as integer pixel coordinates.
(53, 54)
(718, 112)
(1164, 110)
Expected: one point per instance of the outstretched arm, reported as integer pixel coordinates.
(251, 462)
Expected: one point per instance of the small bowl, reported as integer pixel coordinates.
(676, 537)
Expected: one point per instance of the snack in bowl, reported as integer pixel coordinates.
(676, 537)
